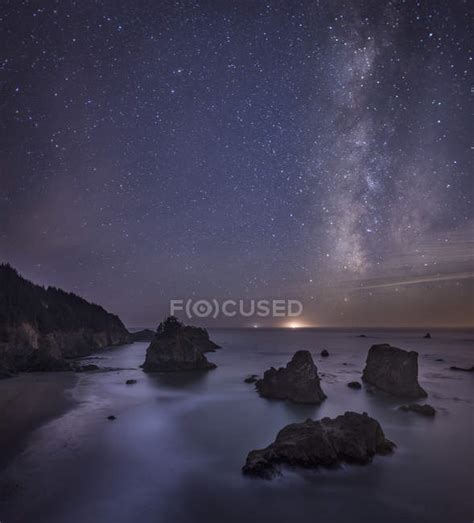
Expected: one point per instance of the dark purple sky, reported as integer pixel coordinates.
(315, 150)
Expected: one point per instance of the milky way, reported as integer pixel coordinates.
(317, 151)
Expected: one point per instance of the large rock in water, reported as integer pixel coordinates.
(175, 348)
(298, 381)
(200, 338)
(39, 327)
(394, 371)
(351, 438)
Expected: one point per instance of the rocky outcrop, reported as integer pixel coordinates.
(350, 438)
(143, 335)
(324, 353)
(200, 338)
(298, 381)
(175, 347)
(462, 369)
(253, 378)
(424, 410)
(354, 385)
(427, 336)
(39, 327)
(393, 370)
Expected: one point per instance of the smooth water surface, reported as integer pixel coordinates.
(175, 451)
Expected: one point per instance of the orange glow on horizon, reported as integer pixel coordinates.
(295, 325)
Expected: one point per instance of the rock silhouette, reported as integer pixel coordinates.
(200, 338)
(253, 378)
(176, 347)
(394, 371)
(298, 381)
(350, 438)
(354, 385)
(463, 369)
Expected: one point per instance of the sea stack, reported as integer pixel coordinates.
(200, 338)
(394, 371)
(354, 385)
(350, 438)
(177, 347)
(298, 381)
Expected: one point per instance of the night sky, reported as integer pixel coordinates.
(311, 150)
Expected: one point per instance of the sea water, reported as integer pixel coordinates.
(175, 450)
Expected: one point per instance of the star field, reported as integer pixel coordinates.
(312, 150)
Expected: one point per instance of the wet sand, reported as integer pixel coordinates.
(27, 402)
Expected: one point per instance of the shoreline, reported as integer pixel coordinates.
(29, 401)
(177, 444)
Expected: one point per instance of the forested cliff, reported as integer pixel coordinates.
(39, 327)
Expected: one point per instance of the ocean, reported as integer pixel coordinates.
(175, 450)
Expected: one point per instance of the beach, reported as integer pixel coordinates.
(29, 401)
